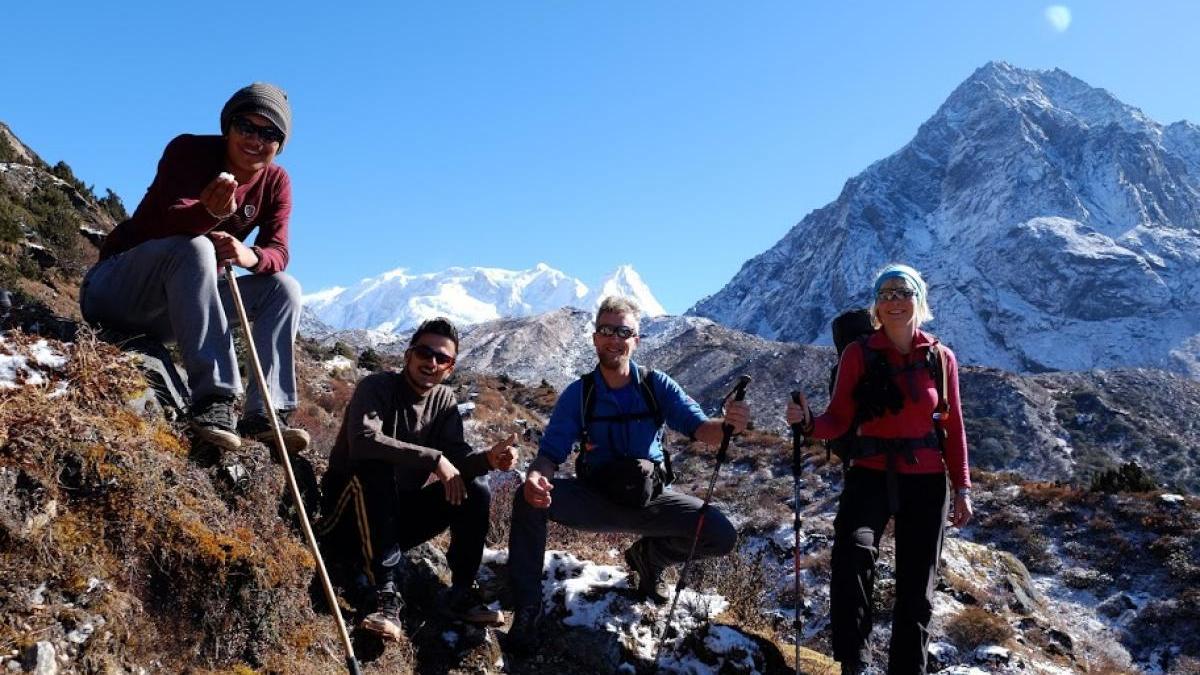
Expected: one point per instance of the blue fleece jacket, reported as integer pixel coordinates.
(638, 438)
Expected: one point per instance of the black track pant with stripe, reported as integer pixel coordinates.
(368, 512)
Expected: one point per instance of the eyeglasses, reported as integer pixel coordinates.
(425, 353)
(886, 294)
(268, 133)
(609, 330)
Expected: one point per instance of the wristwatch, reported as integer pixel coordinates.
(963, 492)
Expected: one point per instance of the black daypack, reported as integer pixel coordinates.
(876, 393)
(626, 480)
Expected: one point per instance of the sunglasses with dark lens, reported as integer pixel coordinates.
(886, 294)
(268, 133)
(609, 330)
(425, 353)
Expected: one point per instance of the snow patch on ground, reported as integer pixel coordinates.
(337, 363)
(597, 596)
(32, 365)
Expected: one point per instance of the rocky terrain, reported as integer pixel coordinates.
(124, 547)
(1052, 426)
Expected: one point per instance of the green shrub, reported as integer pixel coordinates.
(7, 152)
(54, 217)
(370, 360)
(12, 213)
(113, 206)
(63, 171)
(1129, 477)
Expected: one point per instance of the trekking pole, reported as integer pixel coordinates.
(739, 393)
(330, 597)
(797, 466)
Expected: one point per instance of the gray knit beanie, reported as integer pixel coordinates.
(263, 99)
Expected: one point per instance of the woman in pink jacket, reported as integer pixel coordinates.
(886, 395)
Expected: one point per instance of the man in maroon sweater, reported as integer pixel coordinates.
(159, 271)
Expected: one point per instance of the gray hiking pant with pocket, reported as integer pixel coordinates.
(171, 289)
(667, 525)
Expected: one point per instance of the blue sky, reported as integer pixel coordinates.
(681, 137)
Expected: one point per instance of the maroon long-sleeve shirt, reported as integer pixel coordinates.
(172, 204)
(915, 419)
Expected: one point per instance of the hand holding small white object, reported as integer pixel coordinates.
(218, 196)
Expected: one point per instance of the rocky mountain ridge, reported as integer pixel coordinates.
(1048, 426)
(1058, 227)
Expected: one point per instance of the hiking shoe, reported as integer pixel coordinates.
(650, 584)
(522, 636)
(212, 419)
(258, 427)
(465, 604)
(385, 620)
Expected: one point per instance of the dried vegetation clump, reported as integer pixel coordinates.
(974, 626)
(118, 548)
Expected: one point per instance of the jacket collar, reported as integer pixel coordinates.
(879, 341)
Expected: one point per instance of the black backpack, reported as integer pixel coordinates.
(588, 408)
(876, 392)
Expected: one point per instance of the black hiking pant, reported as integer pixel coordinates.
(387, 521)
(862, 515)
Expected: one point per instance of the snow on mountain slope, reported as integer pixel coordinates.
(1059, 228)
(398, 300)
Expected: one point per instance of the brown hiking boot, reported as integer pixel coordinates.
(385, 620)
(650, 584)
(464, 604)
(258, 427)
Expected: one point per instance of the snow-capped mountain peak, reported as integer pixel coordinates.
(1056, 225)
(398, 300)
(625, 281)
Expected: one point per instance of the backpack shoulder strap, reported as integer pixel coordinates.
(870, 355)
(587, 405)
(936, 360)
(644, 375)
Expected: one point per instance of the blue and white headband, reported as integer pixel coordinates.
(908, 274)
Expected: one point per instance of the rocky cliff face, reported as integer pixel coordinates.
(1059, 228)
(51, 225)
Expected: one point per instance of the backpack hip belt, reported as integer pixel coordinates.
(874, 445)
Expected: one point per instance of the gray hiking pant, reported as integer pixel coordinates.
(667, 525)
(171, 289)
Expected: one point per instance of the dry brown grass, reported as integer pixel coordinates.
(189, 573)
(741, 579)
(975, 626)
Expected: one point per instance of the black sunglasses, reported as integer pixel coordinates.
(423, 352)
(268, 133)
(609, 330)
(886, 294)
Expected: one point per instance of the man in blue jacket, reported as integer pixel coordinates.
(620, 474)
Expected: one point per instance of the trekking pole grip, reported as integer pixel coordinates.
(797, 438)
(739, 394)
